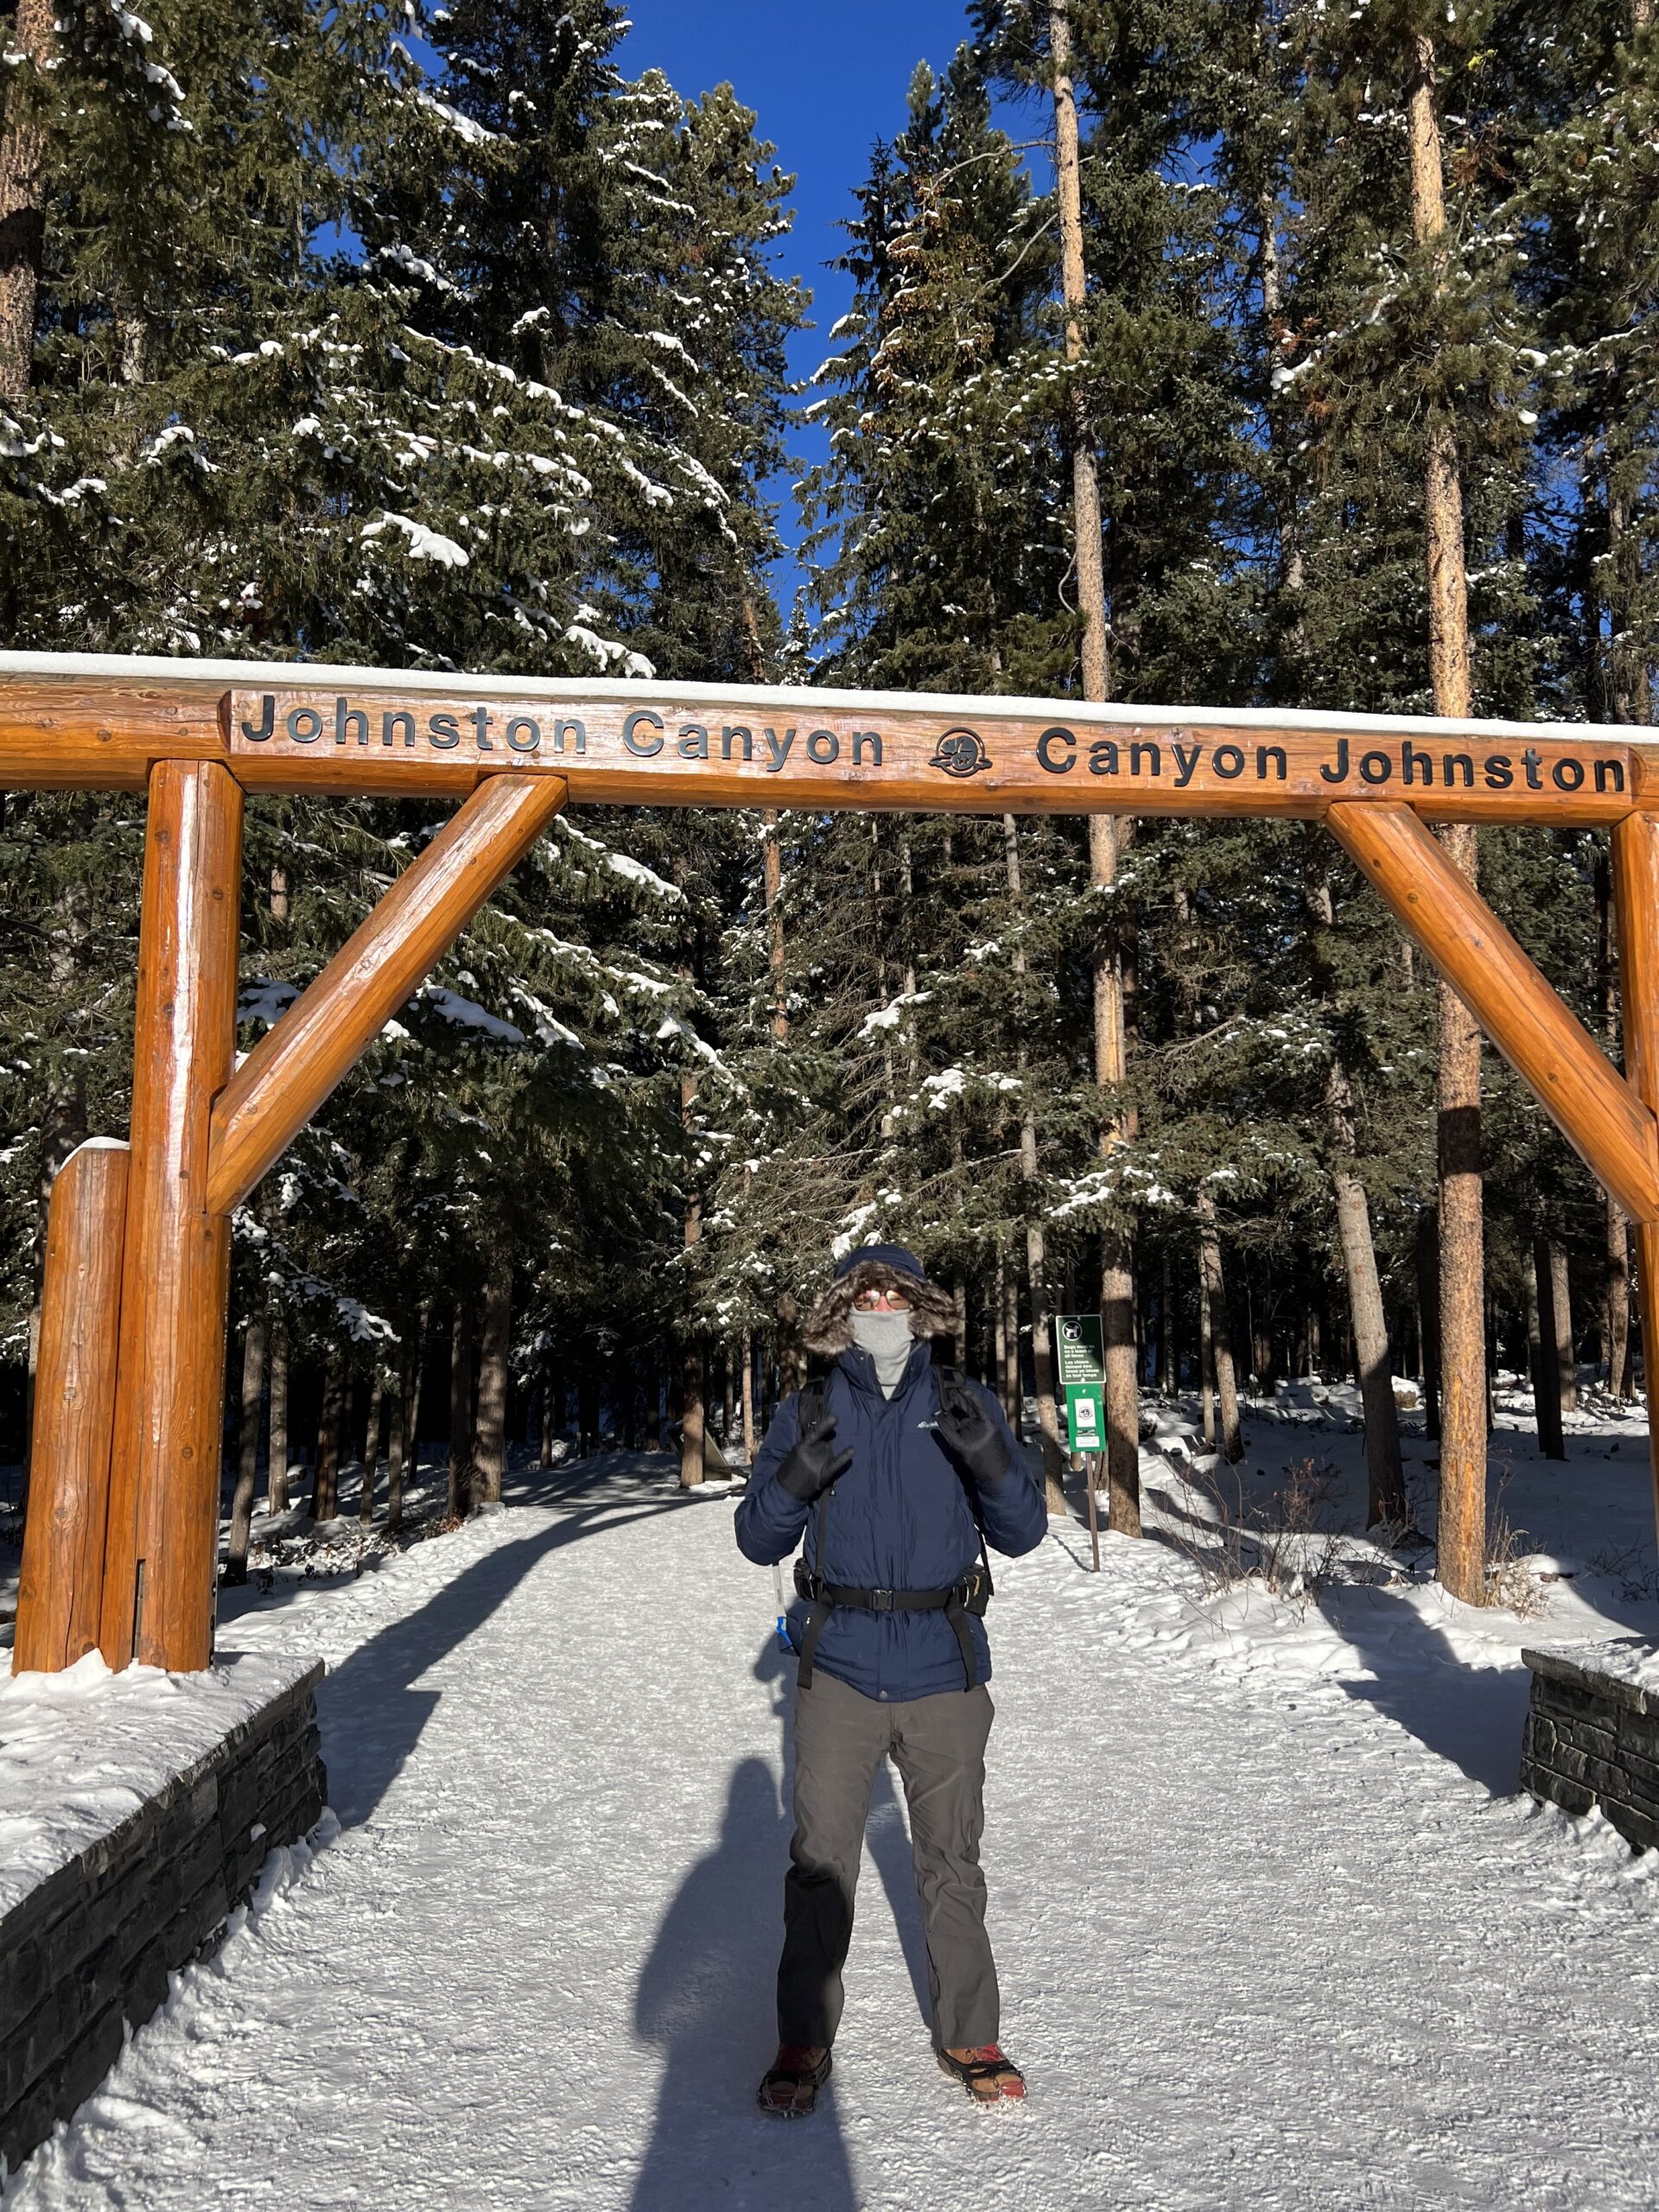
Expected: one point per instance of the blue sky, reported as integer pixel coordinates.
(826, 82)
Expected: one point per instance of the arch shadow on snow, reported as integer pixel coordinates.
(1472, 1717)
(372, 1716)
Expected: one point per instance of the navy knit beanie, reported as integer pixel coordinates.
(882, 1255)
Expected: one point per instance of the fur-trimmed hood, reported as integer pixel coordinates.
(829, 1327)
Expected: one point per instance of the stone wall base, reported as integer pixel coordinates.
(1592, 1736)
(87, 1953)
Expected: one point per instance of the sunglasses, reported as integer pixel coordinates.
(881, 1301)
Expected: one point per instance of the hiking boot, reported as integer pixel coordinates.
(791, 2087)
(988, 2074)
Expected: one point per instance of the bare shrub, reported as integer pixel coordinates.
(1511, 1585)
(1283, 1537)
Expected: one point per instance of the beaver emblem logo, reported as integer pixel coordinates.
(960, 753)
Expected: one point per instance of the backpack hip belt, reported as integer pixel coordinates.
(970, 1594)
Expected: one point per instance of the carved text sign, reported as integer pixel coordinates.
(789, 750)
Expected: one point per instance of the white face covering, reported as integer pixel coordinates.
(888, 1339)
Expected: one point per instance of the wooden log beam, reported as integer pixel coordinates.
(1636, 899)
(60, 1593)
(1597, 1111)
(160, 1554)
(68, 721)
(298, 1062)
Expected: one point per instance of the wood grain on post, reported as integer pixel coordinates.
(1596, 1110)
(160, 1556)
(60, 1593)
(298, 1062)
(1636, 902)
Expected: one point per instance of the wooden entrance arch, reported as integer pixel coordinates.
(120, 1550)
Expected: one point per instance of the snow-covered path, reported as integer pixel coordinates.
(1263, 1943)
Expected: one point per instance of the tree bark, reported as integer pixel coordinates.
(1013, 1380)
(23, 192)
(772, 878)
(1117, 1276)
(1220, 1335)
(1462, 1558)
(459, 1502)
(1385, 1477)
(1206, 1356)
(325, 1487)
(748, 1399)
(277, 1448)
(1566, 1374)
(398, 1442)
(1540, 1351)
(1168, 1363)
(691, 1416)
(247, 1463)
(495, 1347)
(1042, 1356)
(371, 1445)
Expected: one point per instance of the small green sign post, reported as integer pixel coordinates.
(1082, 1363)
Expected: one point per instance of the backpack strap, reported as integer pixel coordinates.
(814, 1396)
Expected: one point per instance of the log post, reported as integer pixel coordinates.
(1636, 896)
(61, 1590)
(161, 1554)
(1609, 1123)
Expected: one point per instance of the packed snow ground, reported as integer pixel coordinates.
(1274, 1929)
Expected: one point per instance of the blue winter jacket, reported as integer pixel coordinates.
(899, 1519)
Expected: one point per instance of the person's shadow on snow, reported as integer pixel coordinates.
(706, 1997)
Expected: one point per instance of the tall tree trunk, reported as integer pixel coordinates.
(1206, 1356)
(1168, 1364)
(325, 1487)
(411, 1372)
(747, 1399)
(247, 1459)
(1221, 1334)
(459, 1502)
(1042, 1356)
(371, 1445)
(1117, 1276)
(1427, 1254)
(397, 1441)
(1000, 1327)
(1567, 1376)
(494, 1353)
(277, 1448)
(1385, 1479)
(1541, 1352)
(1616, 1333)
(772, 878)
(1013, 1380)
(791, 1358)
(691, 1416)
(1462, 1561)
(23, 191)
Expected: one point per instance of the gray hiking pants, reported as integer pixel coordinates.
(938, 1743)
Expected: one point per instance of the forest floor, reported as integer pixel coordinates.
(1274, 1928)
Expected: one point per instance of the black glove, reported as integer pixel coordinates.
(814, 1464)
(970, 1434)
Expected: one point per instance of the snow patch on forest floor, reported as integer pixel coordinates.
(1274, 1928)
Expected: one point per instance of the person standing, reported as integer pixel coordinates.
(898, 1473)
